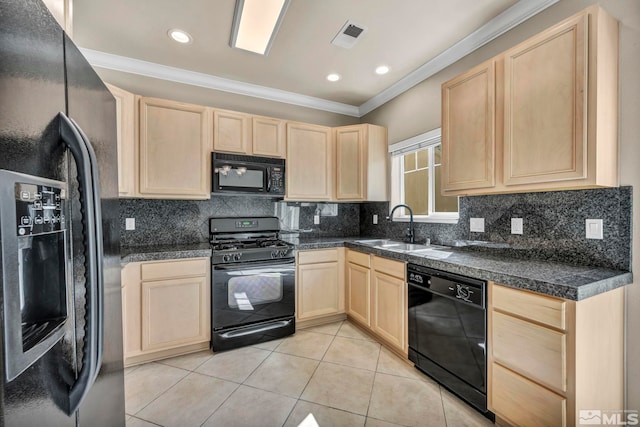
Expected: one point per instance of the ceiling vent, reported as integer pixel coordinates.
(349, 34)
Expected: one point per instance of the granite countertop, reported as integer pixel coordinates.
(566, 281)
(156, 253)
(572, 282)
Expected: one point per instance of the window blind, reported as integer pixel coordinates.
(415, 143)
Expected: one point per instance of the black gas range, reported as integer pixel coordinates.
(253, 282)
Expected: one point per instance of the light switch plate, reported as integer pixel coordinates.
(476, 225)
(316, 219)
(516, 226)
(130, 224)
(594, 229)
(375, 218)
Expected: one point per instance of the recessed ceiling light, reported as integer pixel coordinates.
(383, 69)
(333, 77)
(180, 36)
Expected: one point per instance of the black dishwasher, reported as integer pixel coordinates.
(448, 330)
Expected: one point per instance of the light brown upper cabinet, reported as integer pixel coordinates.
(175, 147)
(125, 122)
(309, 162)
(231, 132)
(468, 129)
(556, 112)
(361, 163)
(268, 137)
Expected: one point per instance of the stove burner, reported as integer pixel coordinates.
(224, 246)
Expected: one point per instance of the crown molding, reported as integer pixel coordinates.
(179, 75)
(515, 15)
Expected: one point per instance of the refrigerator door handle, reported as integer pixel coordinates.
(87, 167)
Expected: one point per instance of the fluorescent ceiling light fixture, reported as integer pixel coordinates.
(256, 23)
(180, 36)
(333, 77)
(383, 69)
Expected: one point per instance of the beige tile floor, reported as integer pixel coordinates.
(335, 371)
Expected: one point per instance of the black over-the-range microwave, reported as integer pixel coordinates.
(235, 174)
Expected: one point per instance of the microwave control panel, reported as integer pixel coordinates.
(38, 209)
(277, 179)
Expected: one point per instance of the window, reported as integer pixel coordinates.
(415, 180)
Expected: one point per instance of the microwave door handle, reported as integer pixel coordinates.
(268, 169)
(87, 168)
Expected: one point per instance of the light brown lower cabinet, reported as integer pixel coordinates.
(319, 284)
(166, 308)
(377, 297)
(551, 358)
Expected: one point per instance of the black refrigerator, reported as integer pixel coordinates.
(60, 308)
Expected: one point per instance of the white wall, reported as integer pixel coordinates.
(418, 110)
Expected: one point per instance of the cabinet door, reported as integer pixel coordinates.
(125, 122)
(175, 313)
(545, 95)
(309, 162)
(318, 290)
(131, 306)
(389, 311)
(350, 162)
(268, 137)
(175, 149)
(359, 293)
(468, 129)
(231, 132)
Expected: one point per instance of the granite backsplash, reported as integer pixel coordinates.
(554, 223)
(554, 226)
(168, 222)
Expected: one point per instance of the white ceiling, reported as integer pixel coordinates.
(402, 34)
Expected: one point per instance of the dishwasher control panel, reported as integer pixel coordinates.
(450, 285)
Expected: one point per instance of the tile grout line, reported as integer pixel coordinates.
(146, 421)
(311, 376)
(375, 374)
(161, 394)
(444, 412)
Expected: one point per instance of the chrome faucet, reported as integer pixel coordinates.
(410, 233)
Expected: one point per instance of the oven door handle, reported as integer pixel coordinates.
(250, 266)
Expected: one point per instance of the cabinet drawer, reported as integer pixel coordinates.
(170, 269)
(390, 267)
(315, 256)
(524, 403)
(539, 308)
(533, 350)
(359, 258)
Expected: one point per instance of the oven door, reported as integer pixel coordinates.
(250, 293)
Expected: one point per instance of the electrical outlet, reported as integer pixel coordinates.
(516, 226)
(375, 218)
(594, 229)
(476, 225)
(316, 219)
(130, 224)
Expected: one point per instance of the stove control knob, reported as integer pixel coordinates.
(274, 254)
(237, 256)
(226, 258)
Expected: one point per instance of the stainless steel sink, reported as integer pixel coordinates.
(397, 246)
(379, 242)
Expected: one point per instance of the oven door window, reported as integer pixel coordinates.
(245, 292)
